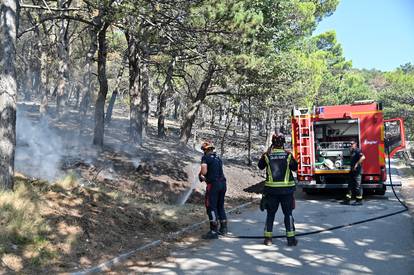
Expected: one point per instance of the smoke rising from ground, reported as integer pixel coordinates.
(39, 149)
(46, 151)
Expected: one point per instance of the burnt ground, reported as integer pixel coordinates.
(121, 197)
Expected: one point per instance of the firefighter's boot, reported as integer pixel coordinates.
(267, 238)
(212, 234)
(358, 202)
(267, 241)
(223, 228)
(347, 200)
(292, 241)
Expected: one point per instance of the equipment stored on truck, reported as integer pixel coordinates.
(321, 139)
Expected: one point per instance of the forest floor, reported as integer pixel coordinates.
(102, 203)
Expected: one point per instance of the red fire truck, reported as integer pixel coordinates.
(321, 143)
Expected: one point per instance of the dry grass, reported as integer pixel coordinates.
(68, 182)
(55, 227)
(20, 219)
(22, 228)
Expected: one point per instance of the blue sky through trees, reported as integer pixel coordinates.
(374, 33)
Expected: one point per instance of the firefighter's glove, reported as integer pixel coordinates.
(201, 178)
(263, 203)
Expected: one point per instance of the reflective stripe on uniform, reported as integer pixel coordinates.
(290, 233)
(268, 234)
(280, 184)
(213, 215)
(349, 196)
(287, 173)
(269, 171)
(286, 182)
(358, 197)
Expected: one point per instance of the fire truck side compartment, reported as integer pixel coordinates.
(333, 129)
(332, 141)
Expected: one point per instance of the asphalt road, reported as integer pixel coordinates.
(384, 246)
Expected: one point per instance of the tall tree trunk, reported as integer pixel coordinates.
(213, 117)
(98, 138)
(87, 79)
(44, 85)
(136, 115)
(40, 84)
(144, 76)
(63, 46)
(176, 107)
(85, 94)
(220, 114)
(162, 98)
(8, 91)
(249, 135)
(223, 137)
(270, 126)
(36, 71)
(202, 116)
(28, 81)
(195, 106)
(111, 104)
(77, 95)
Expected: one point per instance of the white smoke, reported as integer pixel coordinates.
(38, 150)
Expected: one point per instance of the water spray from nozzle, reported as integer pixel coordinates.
(193, 180)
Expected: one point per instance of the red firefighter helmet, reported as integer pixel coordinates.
(278, 140)
(207, 145)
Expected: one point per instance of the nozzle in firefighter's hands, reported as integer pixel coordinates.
(201, 178)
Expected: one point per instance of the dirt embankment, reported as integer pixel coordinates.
(407, 190)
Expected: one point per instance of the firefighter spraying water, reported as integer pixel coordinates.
(211, 173)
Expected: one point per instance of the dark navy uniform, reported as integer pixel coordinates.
(215, 190)
(279, 188)
(354, 185)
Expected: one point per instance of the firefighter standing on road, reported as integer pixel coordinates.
(354, 185)
(212, 173)
(279, 188)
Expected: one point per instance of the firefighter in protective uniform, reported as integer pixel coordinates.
(279, 188)
(211, 172)
(354, 185)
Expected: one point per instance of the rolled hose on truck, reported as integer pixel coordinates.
(343, 225)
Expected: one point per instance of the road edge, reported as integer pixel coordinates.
(119, 259)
